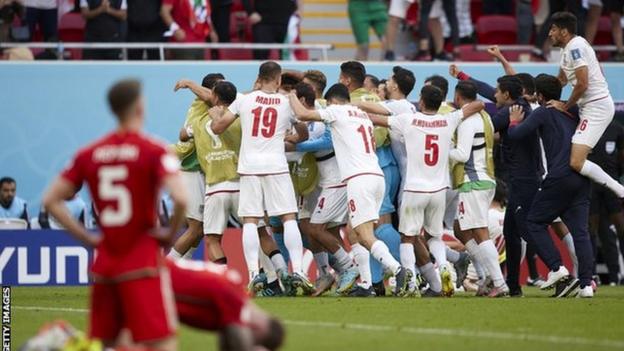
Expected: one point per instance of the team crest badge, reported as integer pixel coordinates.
(610, 147)
(576, 54)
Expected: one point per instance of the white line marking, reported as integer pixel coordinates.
(552, 339)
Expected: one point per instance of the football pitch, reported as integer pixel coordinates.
(334, 323)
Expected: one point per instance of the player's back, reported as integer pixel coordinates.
(577, 53)
(265, 118)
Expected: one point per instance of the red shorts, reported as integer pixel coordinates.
(208, 296)
(145, 306)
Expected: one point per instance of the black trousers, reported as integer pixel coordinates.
(220, 17)
(268, 33)
(145, 34)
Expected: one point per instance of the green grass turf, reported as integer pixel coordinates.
(330, 323)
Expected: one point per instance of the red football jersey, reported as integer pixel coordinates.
(124, 172)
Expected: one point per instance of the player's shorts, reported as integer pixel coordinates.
(364, 14)
(145, 306)
(613, 5)
(364, 197)
(437, 10)
(473, 207)
(331, 207)
(196, 188)
(595, 116)
(307, 204)
(422, 211)
(208, 296)
(271, 193)
(221, 201)
(392, 179)
(398, 8)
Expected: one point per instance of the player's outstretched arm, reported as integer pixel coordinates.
(201, 92)
(221, 120)
(302, 132)
(54, 203)
(465, 137)
(483, 89)
(380, 121)
(300, 111)
(372, 107)
(495, 52)
(472, 108)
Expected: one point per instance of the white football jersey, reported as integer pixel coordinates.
(578, 53)
(428, 143)
(496, 220)
(397, 107)
(353, 139)
(265, 118)
(329, 174)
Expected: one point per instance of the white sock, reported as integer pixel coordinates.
(452, 255)
(569, 243)
(431, 275)
(343, 260)
(523, 250)
(292, 240)
(277, 259)
(269, 268)
(438, 250)
(322, 262)
(490, 260)
(361, 256)
(381, 253)
(174, 255)
(251, 248)
(189, 254)
(475, 256)
(595, 173)
(408, 259)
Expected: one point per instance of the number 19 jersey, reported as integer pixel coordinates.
(428, 142)
(353, 139)
(264, 118)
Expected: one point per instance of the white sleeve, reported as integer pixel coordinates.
(385, 104)
(465, 138)
(455, 117)
(327, 115)
(578, 56)
(236, 105)
(396, 123)
(83, 3)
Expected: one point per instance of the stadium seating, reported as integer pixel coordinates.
(71, 30)
(499, 30)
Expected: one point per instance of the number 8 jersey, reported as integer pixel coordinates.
(428, 143)
(264, 118)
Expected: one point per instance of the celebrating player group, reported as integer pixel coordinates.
(383, 192)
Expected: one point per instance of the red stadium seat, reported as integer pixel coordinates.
(71, 30)
(469, 53)
(500, 30)
(476, 10)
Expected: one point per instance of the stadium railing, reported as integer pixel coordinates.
(60, 47)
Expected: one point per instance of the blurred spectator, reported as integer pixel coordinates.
(574, 6)
(614, 7)
(9, 10)
(363, 15)
(524, 17)
(11, 206)
(187, 24)
(464, 22)
(430, 13)
(103, 24)
(76, 207)
(42, 14)
(18, 54)
(593, 16)
(144, 26)
(498, 7)
(269, 20)
(396, 14)
(220, 11)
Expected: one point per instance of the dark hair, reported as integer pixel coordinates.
(274, 339)
(354, 70)
(528, 83)
(564, 20)
(466, 89)
(500, 194)
(317, 78)
(211, 79)
(373, 80)
(225, 91)
(338, 91)
(6, 180)
(440, 82)
(548, 86)
(306, 92)
(432, 97)
(404, 79)
(269, 71)
(383, 81)
(122, 95)
(510, 84)
(289, 82)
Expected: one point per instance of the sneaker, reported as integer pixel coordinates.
(360, 291)
(447, 282)
(586, 292)
(470, 285)
(461, 268)
(273, 289)
(554, 277)
(500, 291)
(346, 280)
(380, 289)
(258, 283)
(431, 293)
(323, 284)
(565, 287)
(301, 281)
(538, 282)
(484, 287)
(403, 276)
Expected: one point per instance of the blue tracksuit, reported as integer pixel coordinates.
(563, 193)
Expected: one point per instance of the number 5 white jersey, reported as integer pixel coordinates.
(354, 143)
(265, 118)
(428, 142)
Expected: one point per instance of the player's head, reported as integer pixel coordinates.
(126, 101)
(317, 80)
(306, 94)
(274, 337)
(371, 83)
(563, 28)
(528, 83)
(401, 82)
(8, 187)
(438, 81)
(547, 88)
(288, 83)
(500, 194)
(431, 98)
(465, 92)
(270, 72)
(352, 74)
(211, 79)
(382, 89)
(508, 90)
(224, 93)
(337, 94)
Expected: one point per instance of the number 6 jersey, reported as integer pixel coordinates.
(428, 143)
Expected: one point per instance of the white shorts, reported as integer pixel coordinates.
(331, 207)
(195, 187)
(307, 203)
(473, 207)
(221, 201)
(436, 9)
(271, 193)
(595, 118)
(365, 194)
(422, 211)
(398, 8)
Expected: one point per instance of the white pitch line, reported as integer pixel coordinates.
(551, 339)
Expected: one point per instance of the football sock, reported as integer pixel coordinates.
(251, 248)
(438, 250)
(277, 260)
(343, 261)
(174, 255)
(431, 275)
(361, 256)
(452, 255)
(268, 267)
(475, 255)
(292, 239)
(322, 262)
(569, 243)
(595, 173)
(381, 253)
(189, 254)
(490, 261)
(408, 259)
